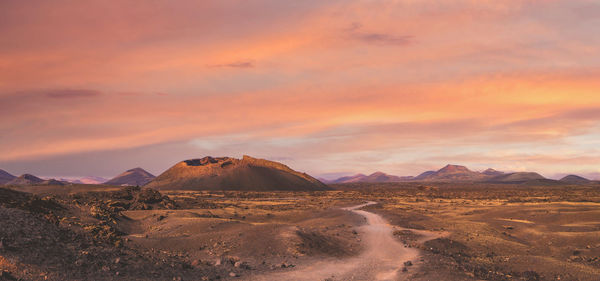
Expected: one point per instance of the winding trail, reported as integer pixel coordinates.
(382, 259)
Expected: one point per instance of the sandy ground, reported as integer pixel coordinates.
(383, 258)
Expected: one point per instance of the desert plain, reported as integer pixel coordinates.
(360, 231)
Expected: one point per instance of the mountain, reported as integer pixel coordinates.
(458, 173)
(424, 175)
(451, 173)
(225, 173)
(90, 180)
(25, 179)
(574, 179)
(347, 179)
(374, 177)
(52, 182)
(133, 177)
(382, 177)
(28, 179)
(492, 172)
(517, 177)
(324, 180)
(5, 177)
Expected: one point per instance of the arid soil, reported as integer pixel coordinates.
(500, 232)
(411, 231)
(383, 256)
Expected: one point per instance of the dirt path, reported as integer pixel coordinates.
(382, 259)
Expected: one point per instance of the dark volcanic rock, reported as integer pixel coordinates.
(36, 244)
(14, 199)
(127, 198)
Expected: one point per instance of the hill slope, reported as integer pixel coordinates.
(133, 177)
(225, 173)
(492, 172)
(28, 179)
(424, 175)
(574, 179)
(5, 177)
(517, 177)
(25, 179)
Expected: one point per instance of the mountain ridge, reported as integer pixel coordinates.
(374, 177)
(29, 179)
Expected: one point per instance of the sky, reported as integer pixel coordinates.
(327, 87)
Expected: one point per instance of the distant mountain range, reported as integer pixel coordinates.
(84, 180)
(90, 180)
(137, 176)
(208, 173)
(451, 173)
(374, 177)
(458, 173)
(28, 179)
(258, 174)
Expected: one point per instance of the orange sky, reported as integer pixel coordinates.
(327, 87)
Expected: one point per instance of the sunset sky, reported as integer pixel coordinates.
(327, 87)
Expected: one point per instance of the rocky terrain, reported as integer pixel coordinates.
(136, 233)
(407, 231)
(79, 237)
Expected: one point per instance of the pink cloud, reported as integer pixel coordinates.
(329, 77)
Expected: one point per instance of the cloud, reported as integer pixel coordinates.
(39, 100)
(346, 119)
(237, 64)
(384, 39)
(377, 38)
(71, 94)
(551, 127)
